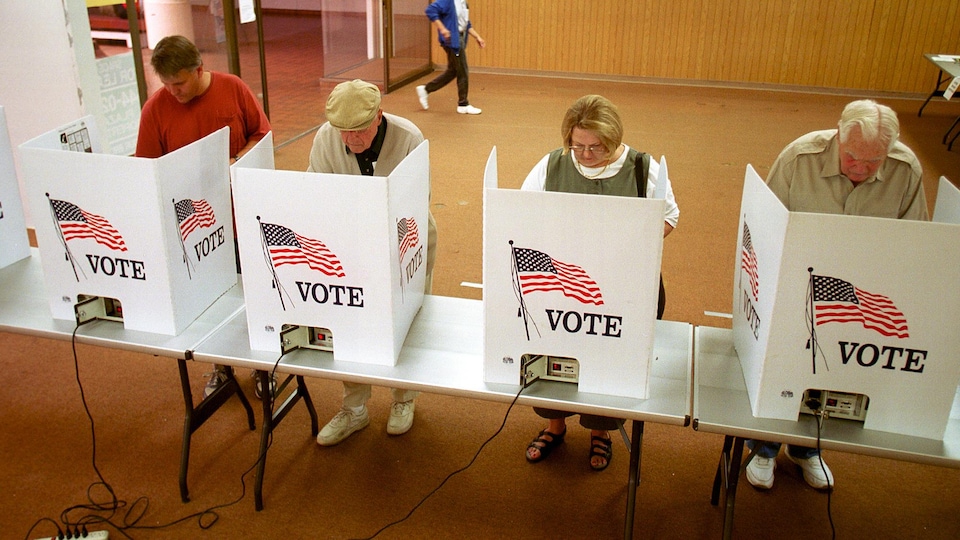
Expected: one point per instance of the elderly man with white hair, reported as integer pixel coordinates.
(858, 169)
(359, 138)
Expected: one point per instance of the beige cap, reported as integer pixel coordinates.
(353, 105)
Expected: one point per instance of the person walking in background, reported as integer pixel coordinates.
(452, 21)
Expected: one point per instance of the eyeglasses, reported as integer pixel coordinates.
(597, 150)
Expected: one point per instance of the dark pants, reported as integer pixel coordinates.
(589, 421)
(456, 69)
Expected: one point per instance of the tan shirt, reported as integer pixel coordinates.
(806, 177)
(329, 155)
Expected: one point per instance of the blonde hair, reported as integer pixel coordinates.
(597, 115)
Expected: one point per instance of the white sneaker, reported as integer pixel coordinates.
(422, 94)
(468, 109)
(760, 472)
(341, 426)
(217, 377)
(401, 417)
(259, 388)
(818, 477)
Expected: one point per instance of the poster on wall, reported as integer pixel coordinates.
(119, 103)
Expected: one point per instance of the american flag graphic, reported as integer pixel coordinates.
(192, 214)
(748, 261)
(77, 223)
(288, 247)
(836, 300)
(537, 271)
(407, 235)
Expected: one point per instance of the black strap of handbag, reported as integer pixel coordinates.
(642, 170)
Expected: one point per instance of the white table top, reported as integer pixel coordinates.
(25, 309)
(721, 405)
(443, 353)
(946, 63)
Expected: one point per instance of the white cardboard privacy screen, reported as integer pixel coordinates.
(342, 252)
(156, 234)
(947, 209)
(14, 243)
(541, 250)
(850, 304)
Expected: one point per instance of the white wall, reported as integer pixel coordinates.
(39, 84)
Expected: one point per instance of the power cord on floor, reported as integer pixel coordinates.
(452, 474)
(78, 527)
(821, 416)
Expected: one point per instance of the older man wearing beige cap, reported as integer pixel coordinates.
(359, 138)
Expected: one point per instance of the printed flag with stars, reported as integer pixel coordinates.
(193, 214)
(407, 235)
(748, 261)
(537, 271)
(287, 247)
(836, 300)
(77, 223)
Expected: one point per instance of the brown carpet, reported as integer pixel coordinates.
(350, 491)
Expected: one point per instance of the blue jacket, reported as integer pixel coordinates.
(446, 11)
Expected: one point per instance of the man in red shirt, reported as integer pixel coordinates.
(194, 103)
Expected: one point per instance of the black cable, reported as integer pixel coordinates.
(243, 485)
(820, 417)
(454, 473)
(205, 518)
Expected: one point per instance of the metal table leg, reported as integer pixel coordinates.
(728, 473)
(194, 417)
(271, 419)
(633, 480)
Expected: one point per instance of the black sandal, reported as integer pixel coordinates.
(544, 445)
(600, 447)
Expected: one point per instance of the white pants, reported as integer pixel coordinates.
(355, 395)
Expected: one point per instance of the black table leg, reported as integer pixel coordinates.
(272, 418)
(720, 478)
(947, 134)
(194, 417)
(633, 480)
(936, 92)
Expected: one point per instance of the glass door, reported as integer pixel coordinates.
(407, 36)
(351, 40)
(385, 42)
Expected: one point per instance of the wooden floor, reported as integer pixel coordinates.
(708, 135)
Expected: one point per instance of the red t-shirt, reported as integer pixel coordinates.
(166, 124)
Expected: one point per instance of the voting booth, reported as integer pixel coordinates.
(859, 310)
(571, 281)
(148, 242)
(333, 261)
(14, 243)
